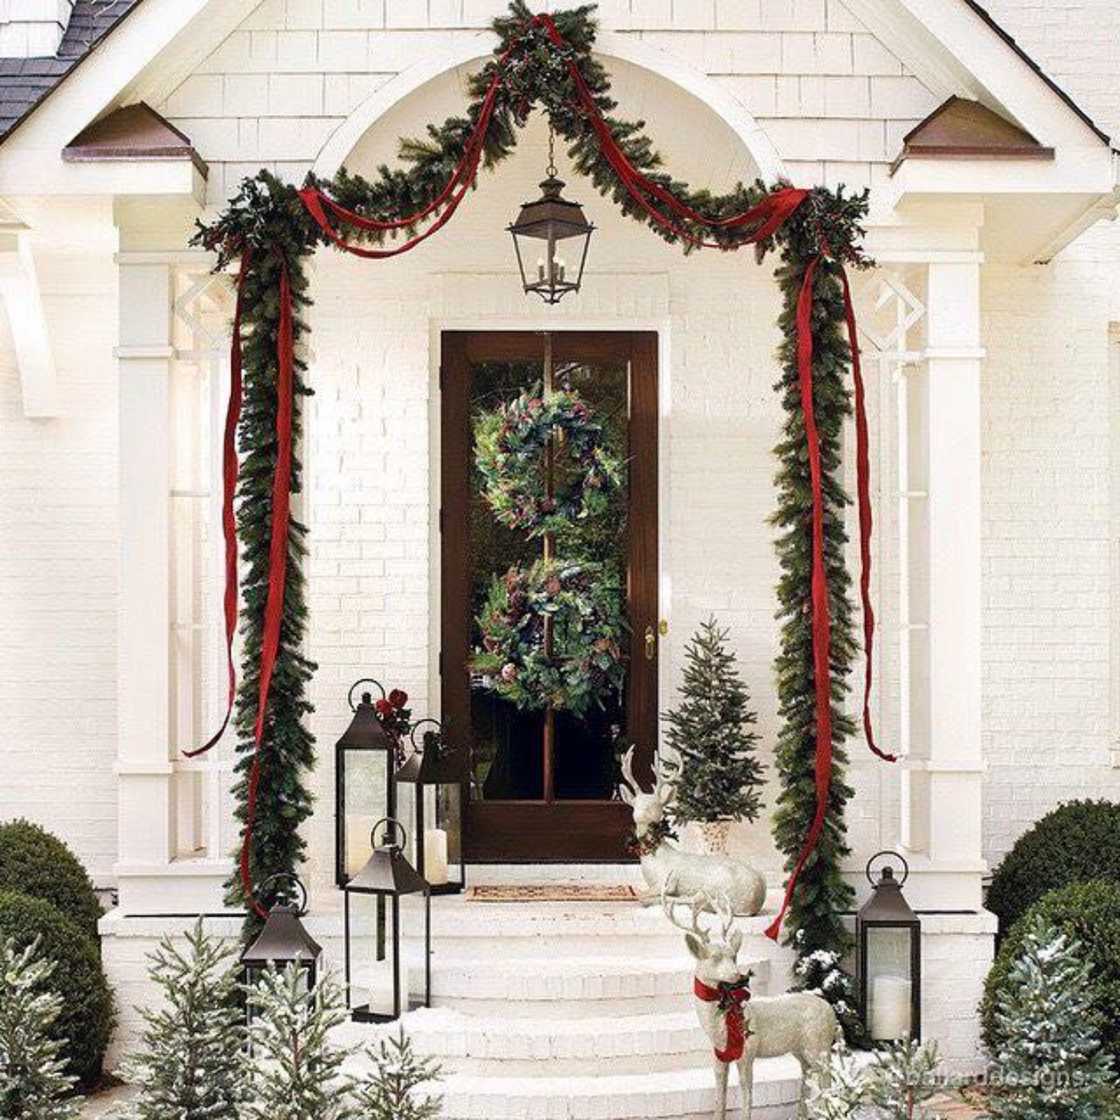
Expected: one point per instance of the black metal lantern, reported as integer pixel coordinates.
(539, 234)
(365, 759)
(387, 875)
(435, 767)
(283, 941)
(889, 958)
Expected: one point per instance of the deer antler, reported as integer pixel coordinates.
(726, 913)
(670, 902)
(628, 770)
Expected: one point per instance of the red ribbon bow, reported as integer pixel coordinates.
(730, 998)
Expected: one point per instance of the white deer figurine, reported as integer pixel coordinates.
(742, 1027)
(694, 874)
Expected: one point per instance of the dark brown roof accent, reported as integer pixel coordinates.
(1009, 39)
(963, 129)
(134, 132)
(27, 82)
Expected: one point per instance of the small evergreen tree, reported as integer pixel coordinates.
(1051, 1064)
(902, 1079)
(33, 1085)
(837, 1088)
(820, 972)
(295, 1071)
(715, 772)
(189, 1063)
(392, 1090)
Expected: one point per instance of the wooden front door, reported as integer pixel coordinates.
(544, 784)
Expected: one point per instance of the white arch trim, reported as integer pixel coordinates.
(477, 48)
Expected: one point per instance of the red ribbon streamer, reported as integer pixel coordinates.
(759, 222)
(730, 998)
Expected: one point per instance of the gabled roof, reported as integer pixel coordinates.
(1009, 39)
(26, 82)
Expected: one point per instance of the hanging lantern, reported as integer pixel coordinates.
(283, 941)
(435, 773)
(365, 759)
(889, 958)
(539, 235)
(387, 876)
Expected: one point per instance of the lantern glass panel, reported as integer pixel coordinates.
(890, 982)
(366, 790)
(373, 993)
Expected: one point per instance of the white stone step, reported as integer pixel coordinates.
(561, 1047)
(672, 1095)
(552, 986)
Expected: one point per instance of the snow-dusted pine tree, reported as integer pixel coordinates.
(715, 772)
(821, 973)
(835, 1090)
(394, 1089)
(295, 1070)
(1050, 1065)
(902, 1079)
(32, 1083)
(189, 1065)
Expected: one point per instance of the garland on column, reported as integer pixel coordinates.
(545, 62)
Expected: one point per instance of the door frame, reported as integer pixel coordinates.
(512, 818)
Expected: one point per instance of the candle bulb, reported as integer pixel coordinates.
(540, 268)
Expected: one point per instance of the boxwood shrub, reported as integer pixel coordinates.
(87, 1017)
(35, 863)
(1089, 912)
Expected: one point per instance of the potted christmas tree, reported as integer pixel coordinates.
(715, 774)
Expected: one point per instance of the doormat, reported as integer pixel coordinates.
(557, 892)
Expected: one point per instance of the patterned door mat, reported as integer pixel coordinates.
(553, 892)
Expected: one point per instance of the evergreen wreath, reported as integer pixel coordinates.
(511, 442)
(587, 662)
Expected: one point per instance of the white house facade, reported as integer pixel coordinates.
(991, 349)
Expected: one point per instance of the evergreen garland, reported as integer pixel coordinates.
(822, 895)
(267, 218)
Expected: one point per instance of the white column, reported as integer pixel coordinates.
(146, 804)
(942, 778)
(152, 878)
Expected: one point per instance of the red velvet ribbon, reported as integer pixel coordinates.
(730, 998)
(755, 224)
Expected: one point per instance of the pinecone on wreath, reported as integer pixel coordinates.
(711, 759)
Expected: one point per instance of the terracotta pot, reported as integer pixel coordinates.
(713, 836)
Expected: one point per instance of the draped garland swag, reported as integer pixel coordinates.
(270, 228)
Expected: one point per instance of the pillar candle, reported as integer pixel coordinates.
(435, 856)
(358, 846)
(890, 1008)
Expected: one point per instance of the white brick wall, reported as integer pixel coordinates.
(58, 568)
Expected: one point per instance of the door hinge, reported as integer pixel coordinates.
(441, 378)
(441, 519)
(441, 663)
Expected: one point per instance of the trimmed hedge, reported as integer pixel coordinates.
(1090, 913)
(87, 1018)
(35, 863)
(1075, 842)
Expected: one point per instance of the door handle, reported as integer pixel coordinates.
(651, 643)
